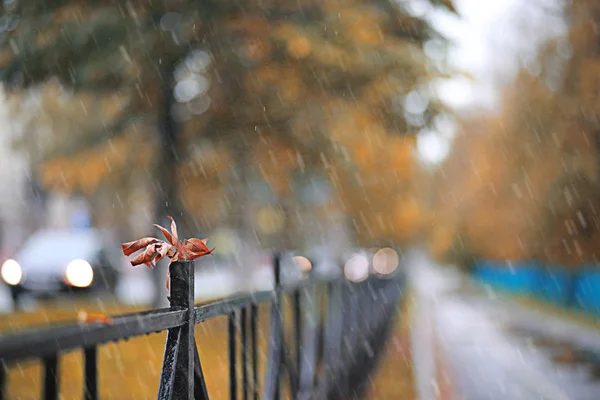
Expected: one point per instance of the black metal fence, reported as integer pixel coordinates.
(339, 329)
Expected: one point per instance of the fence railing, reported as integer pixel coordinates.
(338, 329)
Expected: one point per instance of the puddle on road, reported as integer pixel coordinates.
(562, 352)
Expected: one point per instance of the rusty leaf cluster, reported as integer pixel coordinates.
(157, 249)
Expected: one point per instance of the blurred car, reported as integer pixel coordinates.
(60, 261)
(6, 302)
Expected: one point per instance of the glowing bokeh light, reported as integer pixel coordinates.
(385, 261)
(357, 268)
(303, 263)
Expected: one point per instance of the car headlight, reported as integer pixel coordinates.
(11, 272)
(79, 273)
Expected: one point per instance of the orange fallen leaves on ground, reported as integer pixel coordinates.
(87, 318)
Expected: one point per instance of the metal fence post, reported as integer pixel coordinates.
(328, 385)
(275, 355)
(182, 371)
(51, 377)
(232, 328)
(254, 347)
(244, 348)
(90, 387)
(182, 295)
(307, 364)
(2, 381)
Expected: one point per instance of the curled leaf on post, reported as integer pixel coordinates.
(157, 249)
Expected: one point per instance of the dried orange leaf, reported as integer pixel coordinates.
(162, 250)
(196, 248)
(166, 234)
(174, 229)
(145, 257)
(197, 244)
(131, 247)
(156, 249)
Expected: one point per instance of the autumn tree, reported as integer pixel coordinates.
(105, 49)
(524, 184)
(329, 82)
(229, 94)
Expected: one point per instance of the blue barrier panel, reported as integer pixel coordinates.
(552, 283)
(521, 278)
(555, 284)
(587, 293)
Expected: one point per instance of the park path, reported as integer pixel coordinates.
(473, 344)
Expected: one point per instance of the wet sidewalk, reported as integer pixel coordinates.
(492, 347)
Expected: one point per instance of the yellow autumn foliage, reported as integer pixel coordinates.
(297, 90)
(526, 184)
(87, 170)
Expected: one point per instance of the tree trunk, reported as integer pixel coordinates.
(167, 200)
(243, 203)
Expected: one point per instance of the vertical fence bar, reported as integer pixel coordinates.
(358, 342)
(2, 381)
(90, 387)
(254, 346)
(297, 304)
(167, 374)
(232, 356)
(352, 334)
(310, 342)
(275, 356)
(327, 386)
(51, 378)
(200, 391)
(244, 346)
(182, 296)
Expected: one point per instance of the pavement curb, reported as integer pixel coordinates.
(433, 376)
(421, 347)
(445, 389)
(432, 371)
